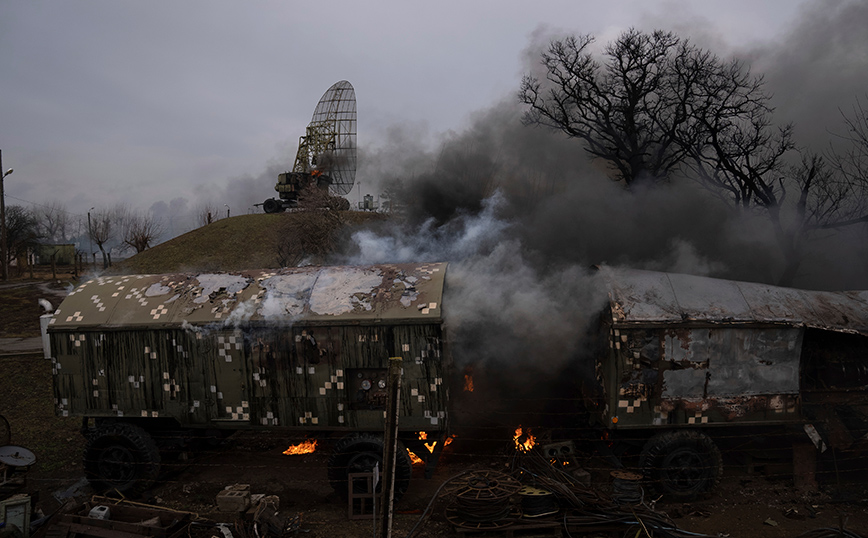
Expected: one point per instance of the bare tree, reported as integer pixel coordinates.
(396, 194)
(849, 158)
(102, 229)
(312, 231)
(54, 221)
(206, 214)
(140, 230)
(630, 111)
(659, 107)
(747, 161)
(22, 232)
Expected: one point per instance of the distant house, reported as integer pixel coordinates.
(64, 254)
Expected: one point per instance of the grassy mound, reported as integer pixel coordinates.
(259, 241)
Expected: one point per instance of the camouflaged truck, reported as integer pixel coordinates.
(147, 359)
(683, 360)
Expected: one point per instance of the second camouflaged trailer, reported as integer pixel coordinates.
(683, 362)
(150, 357)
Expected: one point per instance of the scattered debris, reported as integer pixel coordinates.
(105, 517)
(234, 498)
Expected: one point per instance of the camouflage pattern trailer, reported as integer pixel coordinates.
(679, 356)
(143, 357)
(144, 360)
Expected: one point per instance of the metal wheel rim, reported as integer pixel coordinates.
(684, 470)
(484, 485)
(117, 464)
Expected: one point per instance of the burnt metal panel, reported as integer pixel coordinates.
(699, 376)
(397, 293)
(729, 362)
(648, 297)
(701, 298)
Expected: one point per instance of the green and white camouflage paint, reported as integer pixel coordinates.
(299, 347)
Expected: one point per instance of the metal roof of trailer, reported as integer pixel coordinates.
(649, 297)
(408, 293)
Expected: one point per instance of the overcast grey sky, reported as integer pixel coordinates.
(138, 102)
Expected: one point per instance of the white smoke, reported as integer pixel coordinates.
(461, 238)
(499, 308)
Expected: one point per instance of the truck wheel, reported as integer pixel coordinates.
(121, 456)
(358, 453)
(272, 206)
(681, 465)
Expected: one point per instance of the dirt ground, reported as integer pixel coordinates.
(763, 504)
(744, 505)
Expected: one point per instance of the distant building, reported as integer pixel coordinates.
(63, 254)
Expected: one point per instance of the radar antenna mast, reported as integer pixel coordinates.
(326, 154)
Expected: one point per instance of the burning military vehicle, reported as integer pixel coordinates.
(145, 358)
(676, 360)
(681, 358)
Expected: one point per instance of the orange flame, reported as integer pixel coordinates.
(529, 440)
(468, 379)
(305, 447)
(430, 446)
(423, 436)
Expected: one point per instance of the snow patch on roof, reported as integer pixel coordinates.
(340, 291)
(212, 283)
(286, 294)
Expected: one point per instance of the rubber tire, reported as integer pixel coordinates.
(121, 457)
(272, 206)
(357, 453)
(681, 465)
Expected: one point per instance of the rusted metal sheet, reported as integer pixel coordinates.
(300, 348)
(713, 363)
(696, 351)
(648, 297)
(697, 376)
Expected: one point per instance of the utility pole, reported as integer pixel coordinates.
(390, 444)
(90, 240)
(3, 251)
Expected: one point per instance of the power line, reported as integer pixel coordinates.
(70, 213)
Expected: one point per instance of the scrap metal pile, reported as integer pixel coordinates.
(542, 495)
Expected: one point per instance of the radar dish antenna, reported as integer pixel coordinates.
(326, 154)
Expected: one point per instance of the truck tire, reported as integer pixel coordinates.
(121, 457)
(681, 465)
(358, 453)
(272, 206)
